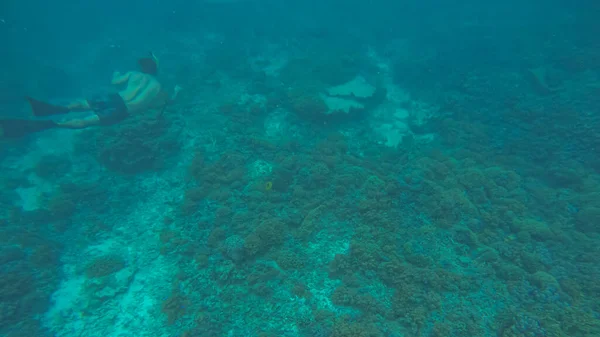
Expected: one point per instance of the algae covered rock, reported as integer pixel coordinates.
(134, 146)
(106, 277)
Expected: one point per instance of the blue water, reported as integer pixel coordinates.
(328, 169)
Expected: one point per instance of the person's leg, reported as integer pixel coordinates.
(79, 105)
(79, 121)
(109, 109)
(14, 128)
(43, 109)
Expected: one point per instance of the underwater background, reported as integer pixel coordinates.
(330, 169)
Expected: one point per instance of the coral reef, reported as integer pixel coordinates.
(137, 145)
(423, 186)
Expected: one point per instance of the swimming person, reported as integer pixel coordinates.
(141, 91)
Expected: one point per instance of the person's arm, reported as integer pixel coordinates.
(129, 95)
(119, 78)
(176, 91)
(164, 99)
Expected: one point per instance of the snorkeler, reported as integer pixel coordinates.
(142, 91)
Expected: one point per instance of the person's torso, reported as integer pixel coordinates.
(146, 88)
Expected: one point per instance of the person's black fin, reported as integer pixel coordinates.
(14, 128)
(43, 109)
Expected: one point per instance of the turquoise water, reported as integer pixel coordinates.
(328, 169)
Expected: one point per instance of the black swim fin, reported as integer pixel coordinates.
(43, 109)
(14, 128)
